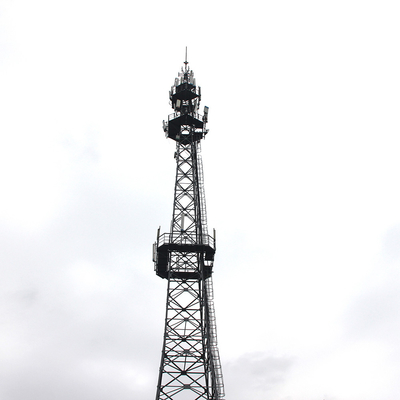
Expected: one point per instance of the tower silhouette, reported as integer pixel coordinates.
(190, 367)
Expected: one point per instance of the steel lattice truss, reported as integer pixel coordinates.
(190, 367)
(183, 366)
(186, 205)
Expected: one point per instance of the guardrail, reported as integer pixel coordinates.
(185, 238)
(179, 114)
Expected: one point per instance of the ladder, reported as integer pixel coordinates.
(202, 194)
(219, 382)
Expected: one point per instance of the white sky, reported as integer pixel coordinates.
(302, 182)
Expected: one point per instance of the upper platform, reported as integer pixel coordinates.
(184, 91)
(185, 124)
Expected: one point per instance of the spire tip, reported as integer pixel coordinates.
(186, 61)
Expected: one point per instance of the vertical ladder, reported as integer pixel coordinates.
(213, 340)
(202, 194)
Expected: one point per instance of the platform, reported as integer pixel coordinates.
(166, 244)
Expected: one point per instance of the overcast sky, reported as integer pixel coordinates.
(301, 172)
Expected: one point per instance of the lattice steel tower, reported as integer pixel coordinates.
(190, 366)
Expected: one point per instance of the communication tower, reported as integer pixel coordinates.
(190, 366)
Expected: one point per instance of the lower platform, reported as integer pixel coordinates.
(163, 249)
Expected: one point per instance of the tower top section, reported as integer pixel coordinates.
(186, 124)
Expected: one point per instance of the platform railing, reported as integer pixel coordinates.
(178, 114)
(186, 239)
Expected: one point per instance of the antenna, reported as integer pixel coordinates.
(186, 61)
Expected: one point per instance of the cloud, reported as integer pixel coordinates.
(300, 166)
(373, 313)
(391, 244)
(76, 296)
(255, 375)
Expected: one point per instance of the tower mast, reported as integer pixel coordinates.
(190, 367)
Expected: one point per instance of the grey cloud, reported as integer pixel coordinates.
(255, 375)
(374, 313)
(81, 310)
(391, 244)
